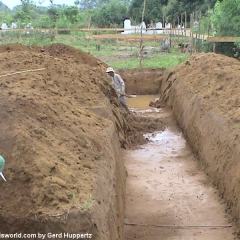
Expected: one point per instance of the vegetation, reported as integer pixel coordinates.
(102, 13)
(225, 18)
(152, 61)
(118, 54)
(203, 15)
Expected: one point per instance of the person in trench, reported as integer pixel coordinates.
(119, 86)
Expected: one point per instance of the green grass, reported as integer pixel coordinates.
(155, 61)
(119, 55)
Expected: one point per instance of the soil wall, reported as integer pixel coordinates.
(142, 81)
(204, 96)
(110, 190)
(62, 129)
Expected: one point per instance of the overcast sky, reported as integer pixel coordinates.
(12, 3)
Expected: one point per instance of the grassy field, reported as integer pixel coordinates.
(165, 60)
(116, 53)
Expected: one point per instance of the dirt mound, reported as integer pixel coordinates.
(218, 76)
(62, 50)
(204, 95)
(59, 118)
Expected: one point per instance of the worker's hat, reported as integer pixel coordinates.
(109, 69)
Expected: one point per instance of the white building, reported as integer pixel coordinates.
(158, 29)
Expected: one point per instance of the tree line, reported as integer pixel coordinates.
(221, 15)
(103, 13)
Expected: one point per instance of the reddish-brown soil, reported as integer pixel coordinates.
(142, 81)
(204, 95)
(168, 196)
(62, 128)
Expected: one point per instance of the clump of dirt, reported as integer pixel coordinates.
(142, 125)
(58, 118)
(204, 95)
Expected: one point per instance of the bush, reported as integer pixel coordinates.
(63, 32)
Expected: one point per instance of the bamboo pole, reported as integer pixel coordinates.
(185, 24)
(199, 24)
(191, 32)
(180, 226)
(209, 21)
(88, 27)
(195, 40)
(163, 23)
(14, 73)
(88, 42)
(141, 41)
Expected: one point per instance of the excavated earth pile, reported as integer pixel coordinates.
(204, 95)
(62, 129)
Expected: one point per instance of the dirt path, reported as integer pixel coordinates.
(167, 195)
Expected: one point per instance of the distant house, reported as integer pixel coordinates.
(158, 28)
(4, 26)
(14, 25)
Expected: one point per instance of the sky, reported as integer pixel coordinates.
(12, 3)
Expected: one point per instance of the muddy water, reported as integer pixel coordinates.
(167, 194)
(140, 102)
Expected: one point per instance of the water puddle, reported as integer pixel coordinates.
(141, 102)
(167, 195)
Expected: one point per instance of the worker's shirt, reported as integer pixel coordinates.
(118, 83)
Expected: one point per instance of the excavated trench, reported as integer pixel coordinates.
(64, 164)
(175, 187)
(168, 195)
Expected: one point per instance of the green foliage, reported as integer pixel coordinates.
(226, 21)
(228, 49)
(53, 13)
(21, 16)
(45, 22)
(203, 46)
(171, 10)
(225, 18)
(28, 6)
(6, 17)
(71, 14)
(3, 7)
(155, 61)
(104, 13)
(153, 11)
(111, 14)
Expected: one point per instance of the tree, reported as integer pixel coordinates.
(110, 14)
(27, 6)
(77, 3)
(21, 17)
(72, 14)
(153, 10)
(225, 18)
(3, 7)
(170, 9)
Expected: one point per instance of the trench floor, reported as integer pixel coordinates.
(168, 196)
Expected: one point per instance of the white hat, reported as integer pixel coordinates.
(110, 69)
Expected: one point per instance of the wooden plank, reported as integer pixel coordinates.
(223, 39)
(127, 36)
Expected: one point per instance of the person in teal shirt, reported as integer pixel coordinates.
(2, 163)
